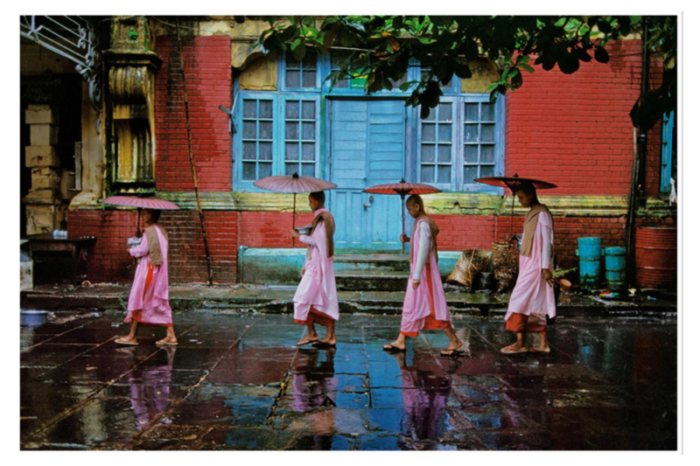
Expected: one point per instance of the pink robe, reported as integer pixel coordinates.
(153, 302)
(418, 304)
(532, 296)
(317, 286)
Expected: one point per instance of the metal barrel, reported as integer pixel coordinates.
(655, 257)
(589, 252)
(615, 267)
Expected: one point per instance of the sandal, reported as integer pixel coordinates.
(509, 350)
(534, 350)
(121, 341)
(165, 343)
(306, 342)
(453, 352)
(322, 344)
(393, 349)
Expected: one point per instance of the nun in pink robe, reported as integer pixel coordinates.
(316, 298)
(425, 306)
(532, 299)
(149, 300)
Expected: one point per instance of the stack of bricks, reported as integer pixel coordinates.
(45, 211)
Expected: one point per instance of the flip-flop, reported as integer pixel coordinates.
(393, 349)
(533, 350)
(453, 352)
(508, 350)
(306, 342)
(165, 343)
(121, 341)
(322, 344)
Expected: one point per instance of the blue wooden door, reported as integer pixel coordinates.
(367, 148)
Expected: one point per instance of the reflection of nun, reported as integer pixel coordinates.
(312, 384)
(425, 396)
(150, 393)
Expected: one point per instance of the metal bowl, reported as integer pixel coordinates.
(304, 230)
(31, 317)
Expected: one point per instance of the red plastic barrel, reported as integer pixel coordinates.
(655, 257)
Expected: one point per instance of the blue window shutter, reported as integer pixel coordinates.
(666, 153)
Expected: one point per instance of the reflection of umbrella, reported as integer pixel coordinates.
(513, 182)
(402, 189)
(140, 203)
(293, 184)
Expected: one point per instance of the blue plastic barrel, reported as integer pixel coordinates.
(615, 267)
(590, 253)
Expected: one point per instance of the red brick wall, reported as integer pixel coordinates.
(209, 84)
(459, 232)
(188, 262)
(109, 260)
(575, 130)
(270, 229)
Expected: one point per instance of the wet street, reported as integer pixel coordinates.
(237, 381)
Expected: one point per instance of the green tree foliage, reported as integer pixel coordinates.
(381, 47)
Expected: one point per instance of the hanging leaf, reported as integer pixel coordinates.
(548, 62)
(462, 71)
(583, 55)
(300, 51)
(517, 80)
(329, 21)
(601, 55)
(568, 62)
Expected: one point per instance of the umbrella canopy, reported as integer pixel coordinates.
(513, 182)
(141, 202)
(293, 184)
(402, 189)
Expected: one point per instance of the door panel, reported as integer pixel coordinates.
(367, 148)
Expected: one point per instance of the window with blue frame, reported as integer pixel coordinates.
(479, 141)
(301, 74)
(300, 136)
(257, 138)
(279, 132)
(461, 140)
(436, 145)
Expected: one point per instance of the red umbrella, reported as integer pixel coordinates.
(513, 182)
(293, 184)
(140, 203)
(402, 189)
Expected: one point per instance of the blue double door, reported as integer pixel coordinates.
(367, 147)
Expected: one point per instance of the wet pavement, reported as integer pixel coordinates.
(237, 382)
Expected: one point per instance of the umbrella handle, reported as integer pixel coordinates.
(403, 227)
(294, 216)
(512, 209)
(138, 223)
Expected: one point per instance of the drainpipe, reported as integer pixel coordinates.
(638, 166)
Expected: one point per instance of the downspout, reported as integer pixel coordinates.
(638, 166)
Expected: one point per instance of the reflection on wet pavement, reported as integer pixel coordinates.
(238, 382)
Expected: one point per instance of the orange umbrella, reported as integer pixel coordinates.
(402, 189)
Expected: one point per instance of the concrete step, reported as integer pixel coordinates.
(279, 299)
(263, 266)
(371, 280)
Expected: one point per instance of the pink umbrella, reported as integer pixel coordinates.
(140, 203)
(293, 184)
(402, 189)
